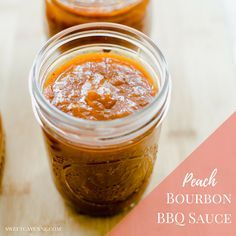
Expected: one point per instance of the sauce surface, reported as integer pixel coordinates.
(100, 86)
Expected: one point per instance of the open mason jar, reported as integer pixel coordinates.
(101, 167)
(62, 14)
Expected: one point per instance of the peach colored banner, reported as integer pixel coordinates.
(197, 199)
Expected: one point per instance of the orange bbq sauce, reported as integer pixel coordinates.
(101, 181)
(100, 86)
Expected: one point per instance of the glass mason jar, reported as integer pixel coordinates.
(101, 167)
(62, 14)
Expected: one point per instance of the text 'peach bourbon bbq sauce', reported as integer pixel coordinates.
(62, 14)
(100, 86)
(101, 180)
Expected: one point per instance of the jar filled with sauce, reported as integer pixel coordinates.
(61, 14)
(101, 105)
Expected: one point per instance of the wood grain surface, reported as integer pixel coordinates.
(197, 39)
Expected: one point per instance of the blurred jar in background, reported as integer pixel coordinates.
(62, 14)
(1, 150)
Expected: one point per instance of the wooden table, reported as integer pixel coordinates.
(197, 39)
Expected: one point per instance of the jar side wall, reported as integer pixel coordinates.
(104, 181)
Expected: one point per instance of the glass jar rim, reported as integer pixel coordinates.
(70, 121)
(97, 9)
(105, 4)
